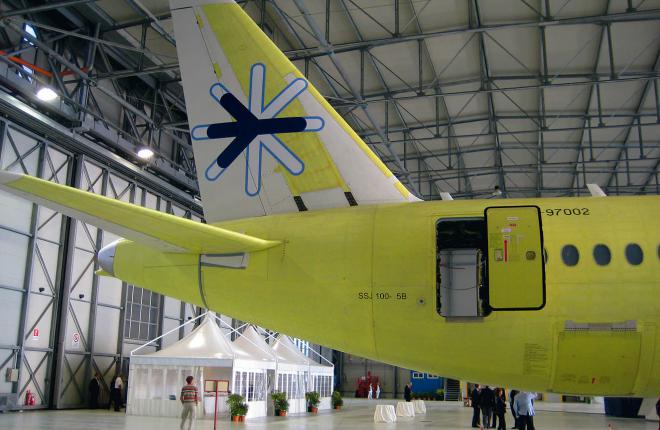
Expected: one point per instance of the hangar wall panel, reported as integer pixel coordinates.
(31, 248)
(60, 322)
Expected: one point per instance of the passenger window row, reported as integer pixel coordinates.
(602, 255)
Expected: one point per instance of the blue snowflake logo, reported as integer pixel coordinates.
(255, 128)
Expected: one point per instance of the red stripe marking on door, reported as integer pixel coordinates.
(506, 250)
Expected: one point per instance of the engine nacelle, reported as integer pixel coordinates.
(169, 273)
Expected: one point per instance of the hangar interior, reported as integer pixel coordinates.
(479, 99)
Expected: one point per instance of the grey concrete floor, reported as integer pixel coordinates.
(357, 414)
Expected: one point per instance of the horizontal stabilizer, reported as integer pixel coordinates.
(142, 225)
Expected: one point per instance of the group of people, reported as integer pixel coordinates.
(489, 406)
(116, 392)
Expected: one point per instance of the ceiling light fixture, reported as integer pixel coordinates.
(46, 94)
(145, 153)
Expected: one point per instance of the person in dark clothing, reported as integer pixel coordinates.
(500, 409)
(474, 400)
(494, 421)
(407, 392)
(487, 404)
(112, 392)
(512, 396)
(94, 387)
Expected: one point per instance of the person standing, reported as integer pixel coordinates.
(524, 406)
(111, 395)
(407, 392)
(474, 400)
(487, 403)
(118, 386)
(512, 396)
(493, 423)
(189, 399)
(377, 391)
(94, 387)
(370, 394)
(500, 409)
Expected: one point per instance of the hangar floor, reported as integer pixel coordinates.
(357, 414)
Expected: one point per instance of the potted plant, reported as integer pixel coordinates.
(313, 399)
(440, 394)
(235, 403)
(242, 411)
(280, 403)
(337, 401)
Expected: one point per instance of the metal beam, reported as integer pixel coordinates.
(40, 123)
(43, 8)
(381, 78)
(300, 4)
(646, 92)
(475, 20)
(121, 74)
(440, 100)
(73, 67)
(647, 15)
(480, 118)
(581, 79)
(154, 21)
(587, 127)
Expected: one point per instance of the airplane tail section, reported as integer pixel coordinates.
(265, 140)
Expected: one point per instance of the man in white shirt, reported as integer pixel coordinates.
(524, 406)
(118, 386)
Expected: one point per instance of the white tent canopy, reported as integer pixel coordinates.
(322, 381)
(250, 349)
(297, 373)
(292, 376)
(252, 360)
(156, 379)
(204, 346)
(206, 354)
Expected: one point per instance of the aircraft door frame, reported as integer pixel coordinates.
(514, 229)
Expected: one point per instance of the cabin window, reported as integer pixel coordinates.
(461, 289)
(417, 375)
(602, 255)
(634, 254)
(570, 255)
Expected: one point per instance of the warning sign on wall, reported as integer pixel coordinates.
(75, 340)
(35, 333)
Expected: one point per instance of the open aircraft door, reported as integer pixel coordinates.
(515, 266)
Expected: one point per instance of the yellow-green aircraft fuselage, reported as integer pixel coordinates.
(366, 280)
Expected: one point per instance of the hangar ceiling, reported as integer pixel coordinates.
(536, 97)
